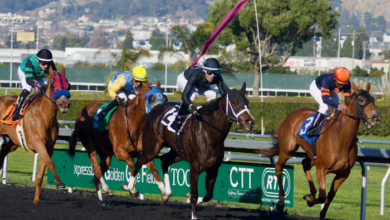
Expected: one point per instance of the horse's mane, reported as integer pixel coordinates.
(211, 107)
(145, 87)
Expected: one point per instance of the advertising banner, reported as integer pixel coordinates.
(236, 182)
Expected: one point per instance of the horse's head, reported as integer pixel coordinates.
(364, 105)
(154, 97)
(59, 89)
(237, 107)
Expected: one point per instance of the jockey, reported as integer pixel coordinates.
(198, 79)
(122, 87)
(30, 73)
(324, 90)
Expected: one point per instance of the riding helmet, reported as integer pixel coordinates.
(139, 73)
(342, 75)
(45, 55)
(211, 64)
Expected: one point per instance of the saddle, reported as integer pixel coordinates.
(98, 123)
(7, 117)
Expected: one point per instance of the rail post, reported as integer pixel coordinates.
(383, 190)
(364, 190)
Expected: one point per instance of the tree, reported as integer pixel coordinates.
(359, 72)
(127, 58)
(128, 42)
(67, 40)
(284, 25)
(347, 49)
(193, 41)
(157, 38)
(98, 39)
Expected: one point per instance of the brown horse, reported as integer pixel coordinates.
(336, 146)
(40, 127)
(202, 140)
(114, 142)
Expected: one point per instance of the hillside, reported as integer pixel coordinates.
(374, 7)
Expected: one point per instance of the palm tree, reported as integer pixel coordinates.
(193, 41)
(127, 58)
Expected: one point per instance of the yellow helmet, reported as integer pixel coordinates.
(139, 73)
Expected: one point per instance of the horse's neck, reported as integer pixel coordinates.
(219, 116)
(347, 126)
(48, 109)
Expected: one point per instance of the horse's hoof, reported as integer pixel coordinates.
(188, 195)
(280, 206)
(60, 185)
(164, 199)
(109, 194)
(134, 195)
(310, 204)
(125, 187)
(36, 201)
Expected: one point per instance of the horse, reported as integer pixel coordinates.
(115, 141)
(40, 126)
(202, 140)
(336, 146)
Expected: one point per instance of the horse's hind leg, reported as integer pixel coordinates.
(337, 181)
(166, 160)
(5, 149)
(105, 162)
(38, 181)
(153, 170)
(307, 164)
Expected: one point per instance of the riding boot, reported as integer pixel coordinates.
(108, 108)
(315, 125)
(20, 105)
(180, 117)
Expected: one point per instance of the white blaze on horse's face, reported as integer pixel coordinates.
(63, 104)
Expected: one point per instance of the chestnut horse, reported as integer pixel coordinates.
(40, 128)
(336, 146)
(114, 142)
(202, 140)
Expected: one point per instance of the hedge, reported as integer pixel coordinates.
(272, 113)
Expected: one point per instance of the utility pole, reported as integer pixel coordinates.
(353, 51)
(37, 39)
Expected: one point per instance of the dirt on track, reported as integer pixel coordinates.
(17, 203)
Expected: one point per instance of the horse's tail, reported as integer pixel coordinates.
(73, 141)
(274, 150)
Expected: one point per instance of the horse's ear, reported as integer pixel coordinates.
(158, 84)
(63, 70)
(368, 87)
(51, 72)
(227, 89)
(243, 89)
(355, 89)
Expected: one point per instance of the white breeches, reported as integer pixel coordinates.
(124, 94)
(206, 91)
(23, 83)
(316, 93)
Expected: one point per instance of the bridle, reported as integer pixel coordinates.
(229, 108)
(359, 109)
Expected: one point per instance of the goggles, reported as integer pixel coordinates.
(44, 63)
(209, 73)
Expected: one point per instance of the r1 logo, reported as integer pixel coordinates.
(270, 185)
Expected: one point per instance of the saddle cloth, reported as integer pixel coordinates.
(306, 125)
(170, 116)
(101, 124)
(7, 117)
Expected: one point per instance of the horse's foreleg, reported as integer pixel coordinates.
(153, 170)
(122, 155)
(211, 177)
(194, 175)
(5, 149)
(321, 180)
(307, 164)
(45, 155)
(337, 181)
(166, 160)
(38, 180)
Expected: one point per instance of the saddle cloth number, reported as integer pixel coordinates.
(310, 120)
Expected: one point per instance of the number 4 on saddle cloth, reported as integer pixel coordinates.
(307, 124)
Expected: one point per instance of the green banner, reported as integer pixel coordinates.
(236, 182)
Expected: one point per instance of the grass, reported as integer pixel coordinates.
(346, 204)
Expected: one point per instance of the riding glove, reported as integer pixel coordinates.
(120, 100)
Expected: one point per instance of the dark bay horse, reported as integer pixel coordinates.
(202, 140)
(336, 146)
(40, 128)
(115, 142)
